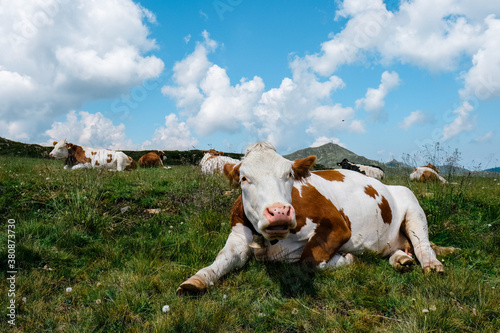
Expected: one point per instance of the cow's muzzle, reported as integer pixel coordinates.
(280, 218)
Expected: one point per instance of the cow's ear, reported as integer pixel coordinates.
(232, 172)
(54, 143)
(302, 166)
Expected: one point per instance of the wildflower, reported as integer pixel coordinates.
(69, 289)
(432, 308)
(425, 311)
(295, 311)
(224, 296)
(24, 299)
(47, 178)
(489, 224)
(262, 314)
(165, 308)
(98, 301)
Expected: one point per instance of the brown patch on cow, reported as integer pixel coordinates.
(97, 163)
(370, 191)
(238, 216)
(76, 155)
(212, 152)
(333, 228)
(232, 172)
(132, 164)
(302, 166)
(331, 175)
(385, 210)
(94, 153)
(428, 175)
(110, 158)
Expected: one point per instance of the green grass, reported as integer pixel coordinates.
(89, 230)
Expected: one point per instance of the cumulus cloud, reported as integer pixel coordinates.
(323, 140)
(463, 122)
(374, 100)
(416, 117)
(91, 130)
(484, 138)
(174, 135)
(57, 55)
(431, 35)
(211, 103)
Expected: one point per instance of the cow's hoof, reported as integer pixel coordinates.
(192, 285)
(404, 264)
(439, 268)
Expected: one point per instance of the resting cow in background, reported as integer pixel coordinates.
(288, 213)
(369, 170)
(213, 161)
(153, 159)
(427, 173)
(76, 157)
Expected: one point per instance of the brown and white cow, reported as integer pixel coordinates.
(427, 173)
(214, 161)
(76, 157)
(153, 159)
(321, 218)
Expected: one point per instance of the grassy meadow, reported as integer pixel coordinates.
(94, 232)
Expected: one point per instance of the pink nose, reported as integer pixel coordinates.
(279, 214)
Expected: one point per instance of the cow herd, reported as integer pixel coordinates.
(289, 212)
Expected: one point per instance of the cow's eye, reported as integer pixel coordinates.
(244, 179)
(290, 174)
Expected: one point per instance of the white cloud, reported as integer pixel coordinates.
(484, 138)
(91, 130)
(416, 117)
(463, 122)
(482, 81)
(210, 102)
(174, 136)
(329, 118)
(56, 56)
(374, 102)
(323, 140)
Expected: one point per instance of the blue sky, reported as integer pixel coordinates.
(382, 79)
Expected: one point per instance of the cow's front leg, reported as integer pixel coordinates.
(234, 255)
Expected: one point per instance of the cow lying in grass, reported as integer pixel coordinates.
(153, 159)
(427, 173)
(369, 170)
(214, 161)
(76, 157)
(321, 218)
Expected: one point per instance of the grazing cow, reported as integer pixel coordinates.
(153, 159)
(213, 161)
(83, 157)
(427, 173)
(369, 170)
(321, 218)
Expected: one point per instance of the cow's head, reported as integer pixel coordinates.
(345, 163)
(60, 150)
(161, 155)
(266, 179)
(431, 166)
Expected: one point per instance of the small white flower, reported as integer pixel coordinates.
(425, 311)
(432, 308)
(489, 225)
(224, 296)
(24, 299)
(98, 301)
(47, 178)
(165, 308)
(69, 289)
(262, 314)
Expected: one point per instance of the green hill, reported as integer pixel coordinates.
(330, 154)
